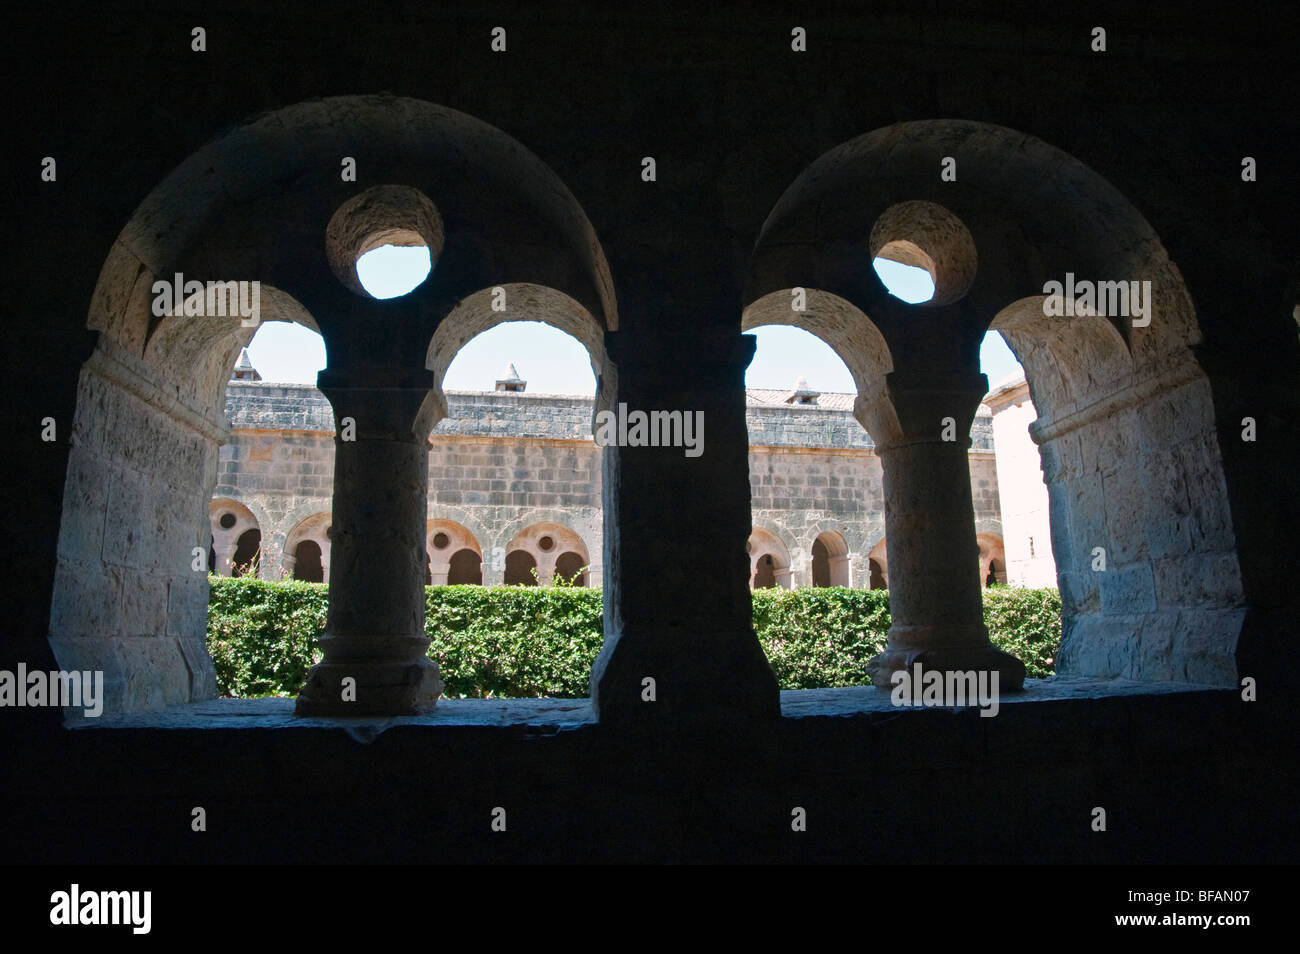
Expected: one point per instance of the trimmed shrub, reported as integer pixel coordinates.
(513, 641)
(1027, 624)
(262, 635)
(821, 637)
(520, 641)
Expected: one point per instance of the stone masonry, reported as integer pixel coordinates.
(506, 462)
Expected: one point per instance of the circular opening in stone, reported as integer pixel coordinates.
(396, 267)
(546, 543)
(227, 521)
(912, 241)
(906, 271)
(440, 540)
(384, 242)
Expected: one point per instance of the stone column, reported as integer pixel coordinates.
(225, 554)
(676, 587)
(375, 630)
(935, 598)
(840, 570)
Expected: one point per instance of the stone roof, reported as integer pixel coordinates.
(779, 397)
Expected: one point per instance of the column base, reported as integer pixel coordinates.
(987, 658)
(695, 677)
(382, 688)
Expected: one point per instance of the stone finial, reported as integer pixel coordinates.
(802, 393)
(509, 380)
(244, 370)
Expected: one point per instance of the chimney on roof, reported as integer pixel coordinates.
(509, 380)
(802, 393)
(244, 370)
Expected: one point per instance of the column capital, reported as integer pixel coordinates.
(386, 404)
(923, 401)
(699, 352)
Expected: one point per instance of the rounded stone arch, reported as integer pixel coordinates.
(993, 558)
(250, 206)
(592, 528)
(1127, 429)
(769, 558)
(1033, 213)
(1069, 362)
(314, 527)
(830, 559)
(229, 519)
(484, 537)
(853, 535)
(849, 333)
(203, 348)
(520, 301)
(878, 566)
(545, 541)
(210, 215)
(458, 539)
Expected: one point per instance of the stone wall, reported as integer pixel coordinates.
(500, 462)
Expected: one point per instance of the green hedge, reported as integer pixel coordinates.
(513, 641)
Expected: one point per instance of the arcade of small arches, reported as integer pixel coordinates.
(1126, 426)
(825, 562)
(539, 554)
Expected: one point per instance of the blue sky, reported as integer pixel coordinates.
(553, 362)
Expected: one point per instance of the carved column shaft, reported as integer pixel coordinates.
(375, 631)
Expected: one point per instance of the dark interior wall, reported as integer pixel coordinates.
(732, 116)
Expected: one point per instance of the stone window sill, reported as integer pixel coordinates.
(555, 715)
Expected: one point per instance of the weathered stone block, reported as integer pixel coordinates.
(1128, 590)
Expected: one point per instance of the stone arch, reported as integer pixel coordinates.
(309, 562)
(878, 566)
(849, 333)
(769, 559)
(570, 566)
(830, 559)
(993, 558)
(1069, 362)
(545, 542)
(251, 207)
(520, 565)
(456, 539)
(314, 528)
(230, 520)
(1126, 427)
(476, 313)
(506, 533)
(465, 568)
(1033, 211)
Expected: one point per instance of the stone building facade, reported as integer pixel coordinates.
(515, 486)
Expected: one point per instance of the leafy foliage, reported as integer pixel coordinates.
(516, 641)
(1027, 624)
(262, 635)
